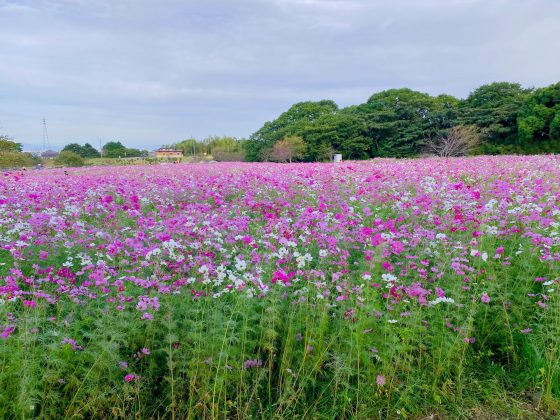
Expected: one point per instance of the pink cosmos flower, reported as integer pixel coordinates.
(485, 298)
(7, 332)
(380, 381)
(29, 303)
(130, 377)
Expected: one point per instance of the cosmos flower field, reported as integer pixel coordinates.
(387, 288)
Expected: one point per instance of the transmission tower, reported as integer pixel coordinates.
(46, 142)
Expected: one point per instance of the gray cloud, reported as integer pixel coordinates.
(150, 72)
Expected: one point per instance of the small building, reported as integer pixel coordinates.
(168, 152)
(337, 158)
(49, 154)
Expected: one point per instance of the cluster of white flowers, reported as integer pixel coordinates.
(18, 227)
(69, 262)
(440, 300)
(301, 260)
(389, 278)
(441, 236)
(70, 209)
(240, 264)
(84, 259)
(491, 230)
(153, 252)
(428, 183)
(282, 252)
(491, 204)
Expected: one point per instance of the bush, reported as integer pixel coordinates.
(67, 158)
(15, 160)
(227, 156)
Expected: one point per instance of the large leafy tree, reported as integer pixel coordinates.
(115, 149)
(88, 151)
(539, 121)
(397, 121)
(300, 118)
(74, 148)
(342, 132)
(494, 108)
(285, 150)
(8, 145)
(85, 151)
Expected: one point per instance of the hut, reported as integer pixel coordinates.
(169, 152)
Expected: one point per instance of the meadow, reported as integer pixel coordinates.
(376, 289)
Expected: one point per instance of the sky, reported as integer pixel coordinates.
(148, 72)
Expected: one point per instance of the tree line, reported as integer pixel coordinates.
(497, 118)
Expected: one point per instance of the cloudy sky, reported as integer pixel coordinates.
(150, 72)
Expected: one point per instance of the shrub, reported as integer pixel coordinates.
(67, 158)
(228, 156)
(15, 160)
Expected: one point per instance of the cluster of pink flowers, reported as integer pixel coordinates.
(409, 229)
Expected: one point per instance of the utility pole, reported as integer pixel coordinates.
(46, 142)
(100, 149)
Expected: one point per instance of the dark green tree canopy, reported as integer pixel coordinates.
(296, 120)
(115, 149)
(539, 119)
(495, 108)
(401, 122)
(85, 151)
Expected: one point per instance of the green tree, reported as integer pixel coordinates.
(74, 148)
(288, 149)
(225, 144)
(539, 121)
(88, 151)
(114, 149)
(8, 145)
(396, 122)
(68, 158)
(191, 147)
(495, 108)
(296, 146)
(299, 119)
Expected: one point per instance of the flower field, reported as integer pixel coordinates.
(388, 288)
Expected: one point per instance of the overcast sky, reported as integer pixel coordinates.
(154, 72)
